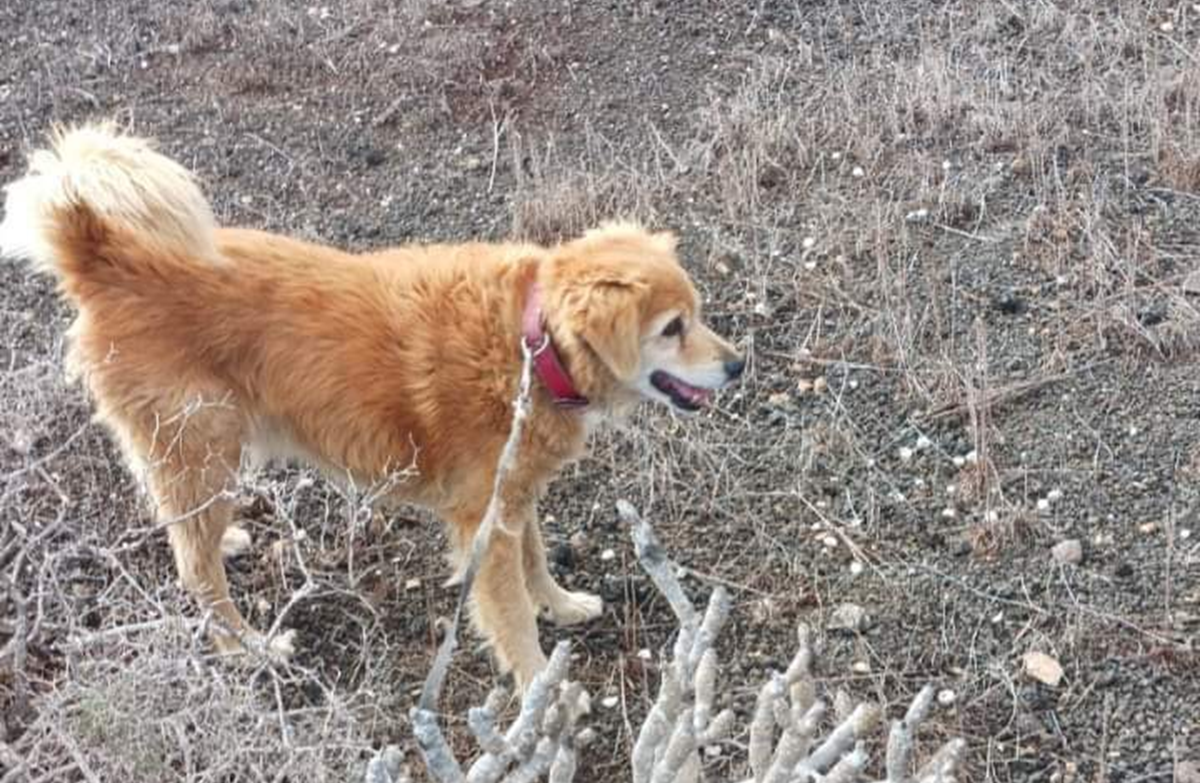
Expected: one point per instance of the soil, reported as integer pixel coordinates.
(955, 241)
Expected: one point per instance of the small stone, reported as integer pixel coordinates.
(905, 454)
(861, 667)
(849, 617)
(1068, 552)
(856, 567)
(857, 172)
(412, 584)
(1148, 528)
(1167, 27)
(958, 461)
(1054, 495)
(1043, 668)
(1043, 505)
(608, 555)
(949, 512)
(946, 697)
(780, 400)
(829, 541)
(563, 556)
(645, 654)
(712, 751)
(808, 243)
(609, 702)
(1185, 534)
(917, 216)
(923, 443)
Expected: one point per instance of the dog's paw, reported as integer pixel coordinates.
(234, 541)
(572, 608)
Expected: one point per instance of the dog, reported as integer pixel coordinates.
(203, 345)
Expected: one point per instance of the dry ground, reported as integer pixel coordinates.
(955, 238)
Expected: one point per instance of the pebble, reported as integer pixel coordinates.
(946, 697)
(808, 243)
(830, 541)
(412, 584)
(849, 617)
(609, 702)
(861, 667)
(923, 443)
(645, 654)
(1147, 528)
(906, 454)
(608, 555)
(1043, 505)
(1068, 552)
(858, 172)
(1043, 668)
(856, 568)
(712, 751)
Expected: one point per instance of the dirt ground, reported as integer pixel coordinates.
(955, 238)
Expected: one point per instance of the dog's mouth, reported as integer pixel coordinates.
(683, 395)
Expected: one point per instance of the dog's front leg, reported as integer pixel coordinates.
(563, 606)
(503, 610)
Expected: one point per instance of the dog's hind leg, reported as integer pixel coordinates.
(190, 461)
(563, 606)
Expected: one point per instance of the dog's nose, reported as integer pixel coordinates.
(734, 368)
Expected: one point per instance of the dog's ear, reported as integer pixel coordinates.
(612, 325)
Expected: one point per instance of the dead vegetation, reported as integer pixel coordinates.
(956, 243)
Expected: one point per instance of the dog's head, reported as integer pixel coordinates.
(629, 319)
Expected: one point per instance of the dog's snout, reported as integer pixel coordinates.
(734, 368)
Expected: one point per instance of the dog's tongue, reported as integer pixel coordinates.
(693, 394)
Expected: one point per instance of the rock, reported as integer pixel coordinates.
(609, 702)
(849, 617)
(1043, 668)
(946, 697)
(1068, 552)
(563, 556)
(608, 555)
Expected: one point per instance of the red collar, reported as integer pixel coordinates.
(546, 362)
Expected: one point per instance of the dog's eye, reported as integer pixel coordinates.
(673, 329)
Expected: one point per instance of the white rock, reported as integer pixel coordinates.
(958, 461)
(946, 697)
(917, 216)
(808, 243)
(829, 541)
(1147, 528)
(1043, 505)
(608, 555)
(1185, 534)
(412, 584)
(858, 172)
(849, 617)
(861, 667)
(1167, 27)
(609, 702)
(923, 443)
(906, 454)
(1043, 668)
(1054, 495)
(712, 751)
(856, 568)
(1068, 552)
(645, 654)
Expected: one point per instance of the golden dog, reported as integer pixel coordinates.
(202, 345)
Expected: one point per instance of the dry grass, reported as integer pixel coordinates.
(960, 233)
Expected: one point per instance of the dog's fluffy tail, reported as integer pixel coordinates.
(99, 202)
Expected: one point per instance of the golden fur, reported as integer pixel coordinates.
(202, 344)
